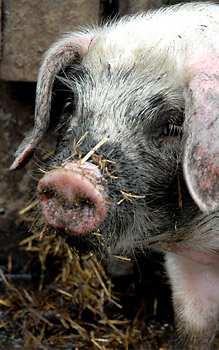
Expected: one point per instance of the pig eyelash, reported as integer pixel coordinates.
(69, 105)
(172, 130)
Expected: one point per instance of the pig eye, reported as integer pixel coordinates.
(166, 126)
(172, 130)
(170, 133)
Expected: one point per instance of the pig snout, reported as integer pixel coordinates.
(72, 198)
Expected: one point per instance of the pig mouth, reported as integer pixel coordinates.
(71, 202)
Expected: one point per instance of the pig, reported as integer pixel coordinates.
(137, 156)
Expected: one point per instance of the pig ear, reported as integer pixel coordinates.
(201, 157)
(66, 51)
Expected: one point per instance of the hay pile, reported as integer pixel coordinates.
(68, 303)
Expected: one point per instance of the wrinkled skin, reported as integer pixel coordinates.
(153, 100)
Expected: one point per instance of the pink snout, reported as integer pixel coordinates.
(72, 198)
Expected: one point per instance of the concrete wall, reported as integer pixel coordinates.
(30, 26)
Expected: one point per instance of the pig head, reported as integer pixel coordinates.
(138, 151)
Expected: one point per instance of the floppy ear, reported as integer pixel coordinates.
(64, 52)
(201, 157)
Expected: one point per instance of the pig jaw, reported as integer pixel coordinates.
(195, 288)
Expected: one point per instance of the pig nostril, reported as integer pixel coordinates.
(47, 193)
(78, 203)
(84, 202)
